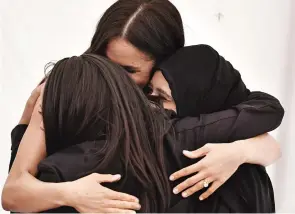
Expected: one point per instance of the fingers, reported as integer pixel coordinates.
(114, 210)
(186, 171)
(127, 205)
(101, 178)
(196, 187)
(35, 95)
(215, 185)
(189, 182)
(111, 194)
(197, 153)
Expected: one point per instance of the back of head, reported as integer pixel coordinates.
(153, 26)
(88, 98)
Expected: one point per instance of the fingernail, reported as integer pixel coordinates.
(116, 177)
(136, 200)
(185, 152)
(175, 191)
(184, 194)
(171, 178)
(201, 198)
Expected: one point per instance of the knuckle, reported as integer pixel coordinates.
(190, 181)
(209, 173)
(185, 171)
(222, 180)
(190, 191)
(209, 192)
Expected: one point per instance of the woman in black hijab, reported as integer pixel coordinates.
(210, 84)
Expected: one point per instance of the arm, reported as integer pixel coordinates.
(24, 193)
(259, 114)
(21, 186)
(253, 148)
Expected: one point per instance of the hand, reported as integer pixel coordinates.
(87, 196)
(218, 165)
(31, 102)
(36, 117)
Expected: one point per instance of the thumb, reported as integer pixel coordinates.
(102, 178)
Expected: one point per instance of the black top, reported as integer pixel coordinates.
(249, 190)
(217, 86)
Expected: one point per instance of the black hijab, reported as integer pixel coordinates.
(202, 81)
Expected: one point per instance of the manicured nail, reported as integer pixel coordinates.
(201, 198)
(185, 152)
(171, 178)
(116, 177)
(175, 191)
(184, 194)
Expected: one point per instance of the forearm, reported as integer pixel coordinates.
(27, 194)
(263, 150)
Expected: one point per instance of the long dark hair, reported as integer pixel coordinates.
(153, 26)
(87, 98)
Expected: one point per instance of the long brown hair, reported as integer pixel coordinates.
(153, 26)
(87, 98)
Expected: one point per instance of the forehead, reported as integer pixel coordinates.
(124, 53)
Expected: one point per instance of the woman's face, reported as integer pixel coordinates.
(137, 63)
(161, 90)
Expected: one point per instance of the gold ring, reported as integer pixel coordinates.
(205, 183)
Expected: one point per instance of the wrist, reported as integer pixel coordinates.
(66, 197)
(25, 119)
(241, 151)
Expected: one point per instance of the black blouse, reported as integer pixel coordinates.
(248, 190)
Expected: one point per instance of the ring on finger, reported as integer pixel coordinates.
(205, 183)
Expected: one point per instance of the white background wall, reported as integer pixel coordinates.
(257, 36)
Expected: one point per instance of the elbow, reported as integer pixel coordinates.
(279, 115)
(7, 199)
(277, 154)
(278, 151)
(11, 192)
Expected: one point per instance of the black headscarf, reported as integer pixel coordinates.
(202, 81)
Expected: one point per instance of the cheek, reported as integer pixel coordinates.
(140, 78)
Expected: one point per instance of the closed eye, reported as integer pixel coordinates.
(129, 69)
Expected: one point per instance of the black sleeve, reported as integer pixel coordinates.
(16, 136)
(259, 114)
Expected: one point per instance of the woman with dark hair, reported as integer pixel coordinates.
(139, 35)
(105, 124)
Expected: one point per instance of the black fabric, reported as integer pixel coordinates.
(202, 81)
(249, 190)
(16, 136)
